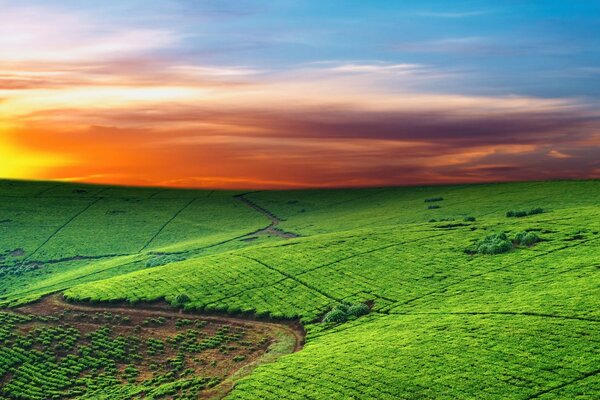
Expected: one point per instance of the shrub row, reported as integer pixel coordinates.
(497, 243)
(524, 213)
(345, 311)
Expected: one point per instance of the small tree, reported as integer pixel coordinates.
(180, 300)
(527, 238)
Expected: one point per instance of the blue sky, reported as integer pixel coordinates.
(542, 48)
(547, 48)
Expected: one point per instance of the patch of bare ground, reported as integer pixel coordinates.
(242, 343)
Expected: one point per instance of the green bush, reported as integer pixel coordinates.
(500, 243)
(335, 315)
(432, 199)
(432, 207)
(358, 309)
(524, 213)
(526, 238)
(470, 219)
(180, 300)
(494, 244)
(343, 312)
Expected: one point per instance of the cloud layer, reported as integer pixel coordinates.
(84, 99)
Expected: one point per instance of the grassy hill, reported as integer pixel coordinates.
(462, 305)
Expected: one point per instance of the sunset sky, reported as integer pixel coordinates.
(292, 93)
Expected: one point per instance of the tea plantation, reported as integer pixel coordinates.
(75, 354)
(493, 293)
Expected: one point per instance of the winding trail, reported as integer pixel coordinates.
(272, 228)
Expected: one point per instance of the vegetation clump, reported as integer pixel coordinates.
(500, 243)
(524, 213)
(470, 219)
(432, 199)
(432, 207)
(495, 243)
(345, 311)
(180, 300)
(526, 238)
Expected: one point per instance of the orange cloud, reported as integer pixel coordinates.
(109, 107)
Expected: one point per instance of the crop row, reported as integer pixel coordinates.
(55, 360)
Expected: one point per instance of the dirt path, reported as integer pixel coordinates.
(272, 228)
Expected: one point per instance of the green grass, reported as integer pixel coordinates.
(444, 322)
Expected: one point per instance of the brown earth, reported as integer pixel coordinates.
(258, 337)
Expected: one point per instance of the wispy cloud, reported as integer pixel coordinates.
(26, 35)
(452, 14)
(489, 46)
(379, 68)
(87, 99)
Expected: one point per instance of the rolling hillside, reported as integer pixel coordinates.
(475, 291)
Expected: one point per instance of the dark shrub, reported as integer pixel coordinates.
(534, 211)
(470, 219)
(494, 244)
(433, 206)
(358, 309)
(523, 213)
(335, 315)
(432, 199)
(526, 238)
(180, 300)
(343, 312)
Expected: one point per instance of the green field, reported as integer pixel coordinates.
(461, 305)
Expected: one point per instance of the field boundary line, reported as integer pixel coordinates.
(562, 385)
(80, 257)
(387, 246)
(155, 193)
(46, 190)
(72, 280)
(62, 227)
(249, 289)
(515, 313)
(399, 303)
(167, 223)
(292, 277)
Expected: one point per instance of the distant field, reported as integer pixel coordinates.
(474, 291)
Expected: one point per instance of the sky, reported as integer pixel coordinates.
(268, 94)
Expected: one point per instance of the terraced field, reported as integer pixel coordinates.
(472, 291)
